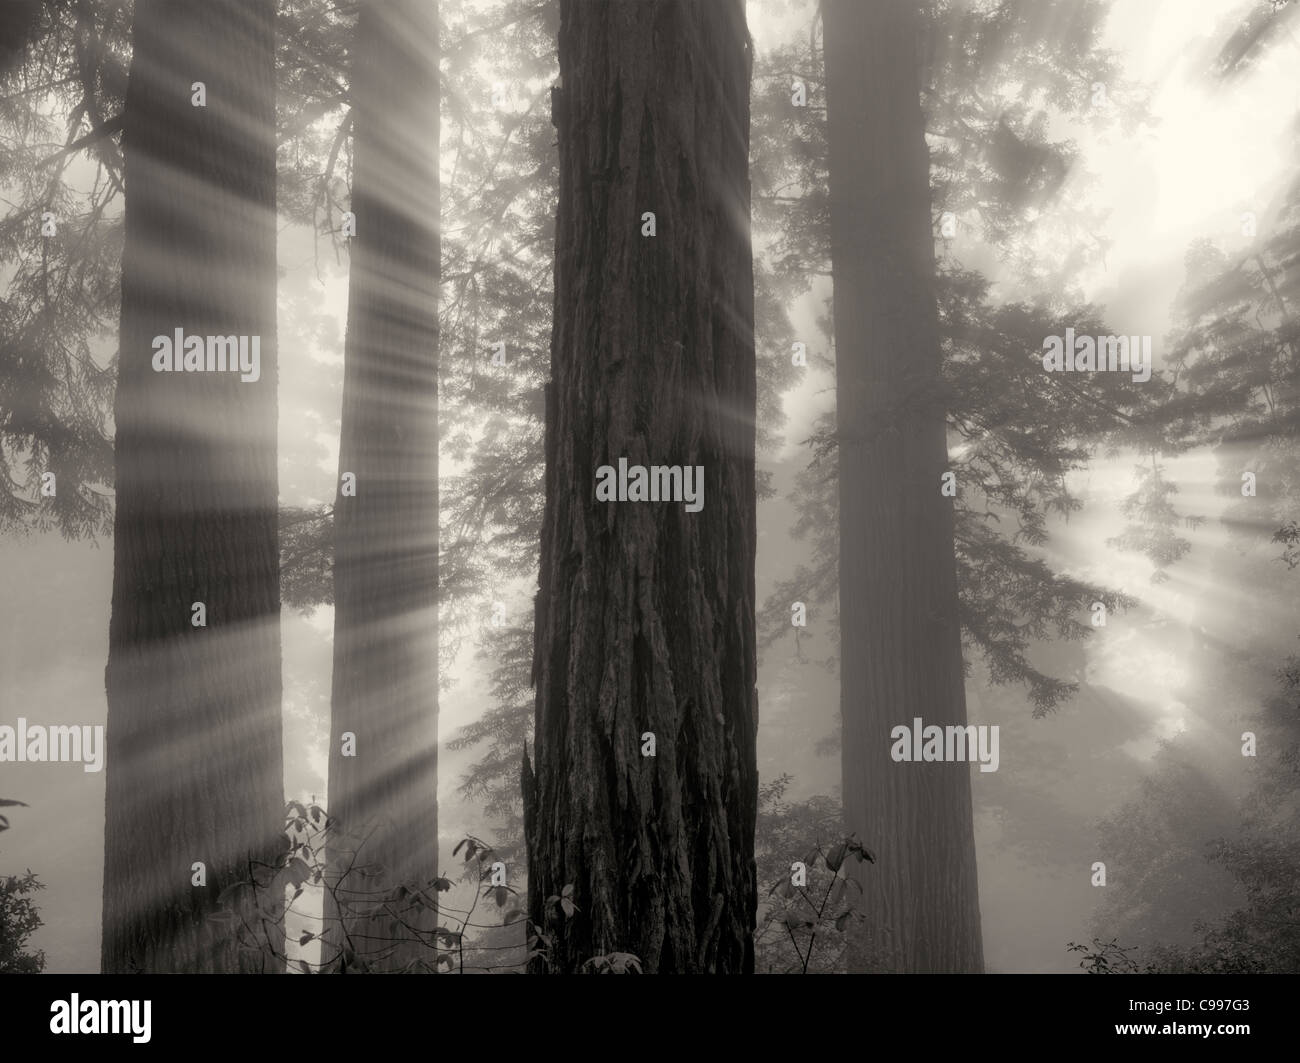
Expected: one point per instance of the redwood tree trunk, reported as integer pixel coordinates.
(385, 688)
(645, 613)
(193, 767)
(901, 656)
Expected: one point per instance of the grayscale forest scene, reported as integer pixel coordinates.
(649, 486)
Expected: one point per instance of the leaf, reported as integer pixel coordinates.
(623, 962)
(842, 920)
(462, 842)
(837, 891)
(567, 891)
(860, 851)
(501, 895)
(302, 964)
(786, 889)
(227, 897)
(299, 871)
(835, 857)
(442, 885)
(568, 906)
(7, 803)
(307, 935)
(512, 915)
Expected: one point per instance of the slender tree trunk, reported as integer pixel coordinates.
(385, 689)
(899, 618)
(193, 739)
(645, 613)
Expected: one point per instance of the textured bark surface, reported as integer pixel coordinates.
(901, 655)
(645, 613)
(385, 686)
(193, 740)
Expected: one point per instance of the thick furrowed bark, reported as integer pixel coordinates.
(645, 614)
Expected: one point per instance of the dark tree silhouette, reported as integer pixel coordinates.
(900, 625)
(193, 738)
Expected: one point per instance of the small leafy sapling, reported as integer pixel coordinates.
(818, 907)
(1289, 536)
(19, 920)
(1107, 957)
(564, 899)
(539, 943)
(391, 916)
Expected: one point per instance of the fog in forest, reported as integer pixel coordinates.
(1113, 549)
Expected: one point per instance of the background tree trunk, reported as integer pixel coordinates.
(194, 768)
(900, 631)
(645, 613)
(385, 687)
(20, 22)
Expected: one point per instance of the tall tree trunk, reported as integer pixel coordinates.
(645, 613)
(385, 689)
(193, 739)
(899, 619)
